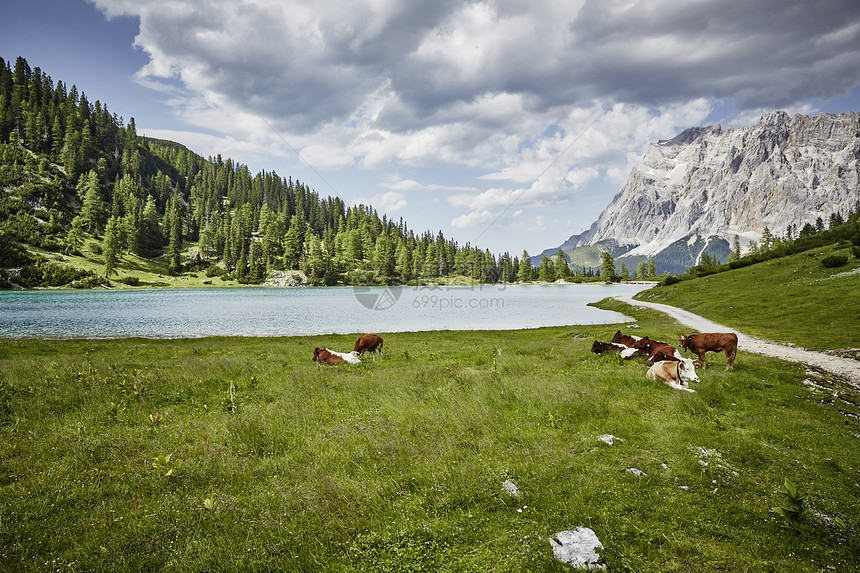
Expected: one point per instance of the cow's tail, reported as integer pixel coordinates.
(734, 352)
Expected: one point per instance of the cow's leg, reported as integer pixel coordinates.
(702, 358)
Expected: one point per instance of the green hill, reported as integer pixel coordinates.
(84, 198)
(792, 299)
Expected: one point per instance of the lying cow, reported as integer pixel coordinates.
(330, 357)
(674, 373)
(714, 342)
(606, 347)
(368, 343)
(625, 339)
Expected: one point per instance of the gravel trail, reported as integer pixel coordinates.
(845, 367)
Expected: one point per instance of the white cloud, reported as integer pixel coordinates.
(472, 219)
(387, 202)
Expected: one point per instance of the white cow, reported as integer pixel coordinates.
(674, 373)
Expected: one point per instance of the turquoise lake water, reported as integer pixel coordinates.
(191, 313)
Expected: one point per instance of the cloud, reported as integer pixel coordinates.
(472, 219)
(387, 202)
(539, 99)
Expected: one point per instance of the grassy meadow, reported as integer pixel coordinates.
(790, 299)
(241, 454)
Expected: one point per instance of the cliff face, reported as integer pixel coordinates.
(720, 183)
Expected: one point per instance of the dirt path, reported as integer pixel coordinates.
(845, 367)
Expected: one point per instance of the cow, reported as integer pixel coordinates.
(714, 342)
(606, 347)
(674, 373)
(625, 339)
(660, 351)
(368, 342)
(332, 358)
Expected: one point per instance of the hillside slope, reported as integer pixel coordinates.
(792, 299)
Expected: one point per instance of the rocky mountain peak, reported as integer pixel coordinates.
(707, 182)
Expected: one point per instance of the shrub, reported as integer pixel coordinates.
(856, 252)
(130, 280)
(669, 280)
(831, 261)
(214, 271)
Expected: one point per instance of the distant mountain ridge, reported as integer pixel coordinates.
(693, 193)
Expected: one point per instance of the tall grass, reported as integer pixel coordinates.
(278, 464)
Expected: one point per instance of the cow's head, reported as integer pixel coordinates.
(316, 355)
(687, 370)
(685, 342)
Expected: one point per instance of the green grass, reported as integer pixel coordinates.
(790, 299)
(399, 464)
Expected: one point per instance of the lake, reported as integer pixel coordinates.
(191, 313)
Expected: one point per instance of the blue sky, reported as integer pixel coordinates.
(507, 125)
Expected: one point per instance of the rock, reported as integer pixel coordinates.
(511, 488)
(636, 472)
(577, 548)
(286, 279)
(608, 439)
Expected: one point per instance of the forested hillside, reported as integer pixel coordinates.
(76, 178)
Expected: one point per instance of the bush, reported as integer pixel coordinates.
(214, 271)
(130, 281)
(831, 261)
(50, 274)
(669, 280)
(856, 252)
(92, 281)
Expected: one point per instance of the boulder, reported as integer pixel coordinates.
(577, 548)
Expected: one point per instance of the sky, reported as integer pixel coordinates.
(508, 125)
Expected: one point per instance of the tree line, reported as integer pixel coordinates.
(80, 175)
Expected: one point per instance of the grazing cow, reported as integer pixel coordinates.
(714, 342)
(368, 342)
(606, 347)
(674, 373)
(330, 357)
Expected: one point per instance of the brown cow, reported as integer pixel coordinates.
(714, 342)
(324, 356)
(661, 351)
(368, 342)
(606, 347)
(624, 339)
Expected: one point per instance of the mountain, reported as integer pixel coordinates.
(692, 194)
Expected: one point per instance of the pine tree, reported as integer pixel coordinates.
(110, 246)
(546, 269)
(561, 266)
(652, 268)
(93, 210)
(75, 236)
(607, 267)
(524, 274)
(736, 249)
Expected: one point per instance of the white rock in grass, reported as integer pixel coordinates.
(636, 472)
(608, 439)
(577, 548)
(511, 488)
